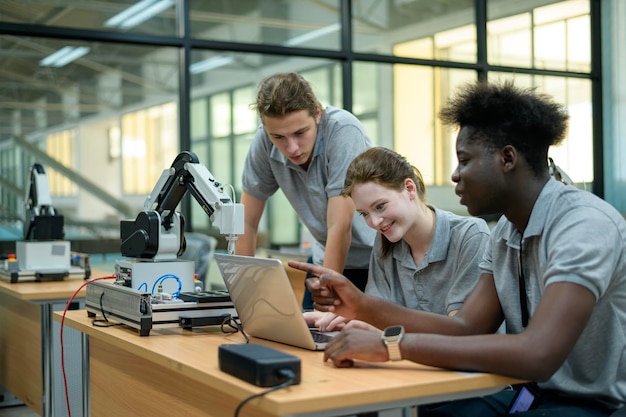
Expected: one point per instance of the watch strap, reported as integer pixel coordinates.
(393, 349)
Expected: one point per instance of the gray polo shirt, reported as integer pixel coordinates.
(444, 278)
(340, 138)
(572, 236)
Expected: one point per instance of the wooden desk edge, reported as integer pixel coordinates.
(47, 291)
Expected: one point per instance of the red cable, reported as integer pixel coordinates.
(67, 397)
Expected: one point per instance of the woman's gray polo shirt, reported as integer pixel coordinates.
(444, 278)
(340, 138)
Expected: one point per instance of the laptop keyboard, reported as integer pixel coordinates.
(321, 337)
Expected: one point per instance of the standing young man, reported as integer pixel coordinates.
(305, 149)
(554, 270)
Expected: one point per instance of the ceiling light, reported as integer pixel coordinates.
(314, 34)
(221, 60)
(211, 63)
(138, 13)
(64, 56)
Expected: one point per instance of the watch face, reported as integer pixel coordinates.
(393, 331)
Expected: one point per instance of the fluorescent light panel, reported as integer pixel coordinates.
(314, 34)
(138, 13)
(64, 56)
(221, 60)
(211, 63)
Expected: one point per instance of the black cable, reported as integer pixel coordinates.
(104, 322)
(287, 373)
(233, 324)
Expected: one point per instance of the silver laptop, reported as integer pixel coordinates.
(265, 302)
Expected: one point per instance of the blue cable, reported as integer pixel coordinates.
(162, 278)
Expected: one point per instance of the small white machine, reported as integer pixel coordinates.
(155, 288)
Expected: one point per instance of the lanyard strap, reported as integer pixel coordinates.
(523, 297)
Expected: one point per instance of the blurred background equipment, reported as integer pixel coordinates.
(43, 254)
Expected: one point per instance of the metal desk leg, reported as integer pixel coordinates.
(46, 358)
(85, 362)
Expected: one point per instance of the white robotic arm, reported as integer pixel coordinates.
(158, 231)
(41, 222)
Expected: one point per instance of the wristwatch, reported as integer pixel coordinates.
(391, 337)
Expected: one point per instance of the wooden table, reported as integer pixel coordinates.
(26, 338)
(176, 372)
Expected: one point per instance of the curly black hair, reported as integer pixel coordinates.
(501, 114)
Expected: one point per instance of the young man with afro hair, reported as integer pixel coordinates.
(554, 271)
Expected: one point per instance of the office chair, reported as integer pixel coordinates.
(621, 412)
(200, 249)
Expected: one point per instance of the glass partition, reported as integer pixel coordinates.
(111, 108)
(426, 29)
(551, 35)
(156, 17)
(294, 23)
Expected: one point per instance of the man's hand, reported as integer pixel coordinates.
(353, 344)
(331, 291)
